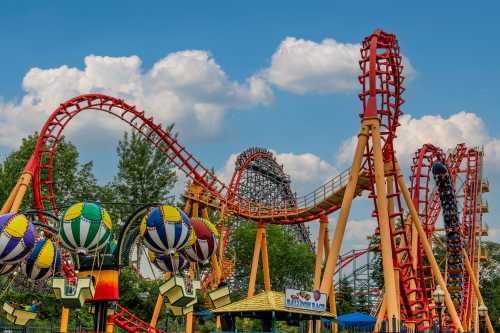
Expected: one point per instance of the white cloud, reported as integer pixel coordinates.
(186, 87)
(462, 127)
(356, 233)
(307, 171)
(306, 168)
(303, 66)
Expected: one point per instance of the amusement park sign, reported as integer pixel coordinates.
(307, 300)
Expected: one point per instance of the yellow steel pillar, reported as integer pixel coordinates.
(323, 224)
(477, 292)
(63, 327)
(189, 322)
(158, 305)
(428, 252)
(380, 315)
(16, 196)
(392, 302)
(414, 243)
(23, 187)
(216, 267)
(390, 208)
(475, 304)
(8, 203)
(333, 308)
(255, 260)
(265, 261)
(331, 262)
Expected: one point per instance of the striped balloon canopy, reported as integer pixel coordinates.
(17, 237)
(166, 229)
(174, 262)
(205, 244)
(7, 268)
(85, 227)
(44, 260)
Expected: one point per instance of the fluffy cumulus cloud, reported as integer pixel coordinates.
(304, 66)
(186, 87)
(444, 132)
(462, 127)
(356, 233)
(307, 171)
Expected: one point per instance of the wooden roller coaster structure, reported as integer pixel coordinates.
(405, 240)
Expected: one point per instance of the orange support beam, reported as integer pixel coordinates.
(331, 262)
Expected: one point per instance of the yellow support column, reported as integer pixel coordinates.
(380, 315)
(475, 314)
(156, 311)
(323, 223)
(216, 267)
(470, 271)
(63, 327)
(8, 203)
(23, 187)
(392, 302)
(265, 261)
(189, 322)
(158, 305)
(331, 262)
(255, 260)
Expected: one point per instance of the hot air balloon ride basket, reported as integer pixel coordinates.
(178, 292)
(74, 297)
(178, 310)
(18, 316)
(219, 297)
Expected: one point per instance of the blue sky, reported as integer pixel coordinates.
(452, 48)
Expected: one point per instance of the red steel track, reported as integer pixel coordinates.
(130, 322)
(381, 81)
(381, 89)
(324, 200)
(460, 161)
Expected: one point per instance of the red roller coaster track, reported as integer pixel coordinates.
(460, 160)
(381, 81)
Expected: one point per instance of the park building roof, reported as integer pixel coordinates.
(268, 301)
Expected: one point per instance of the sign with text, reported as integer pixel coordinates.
(306, 300)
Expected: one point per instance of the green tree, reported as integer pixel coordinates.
(291, 262)
(345, 301)
(490, 282)
(145, 174)
(72, 181)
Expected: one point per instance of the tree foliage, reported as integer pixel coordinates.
(291, 262)
(71, 180)
(145, 175)
(490, 282)
(344, 295)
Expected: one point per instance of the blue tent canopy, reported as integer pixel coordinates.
(356, 320)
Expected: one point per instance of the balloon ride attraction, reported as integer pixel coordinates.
(429, 274)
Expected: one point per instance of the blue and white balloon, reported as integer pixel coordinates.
(166, 229)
